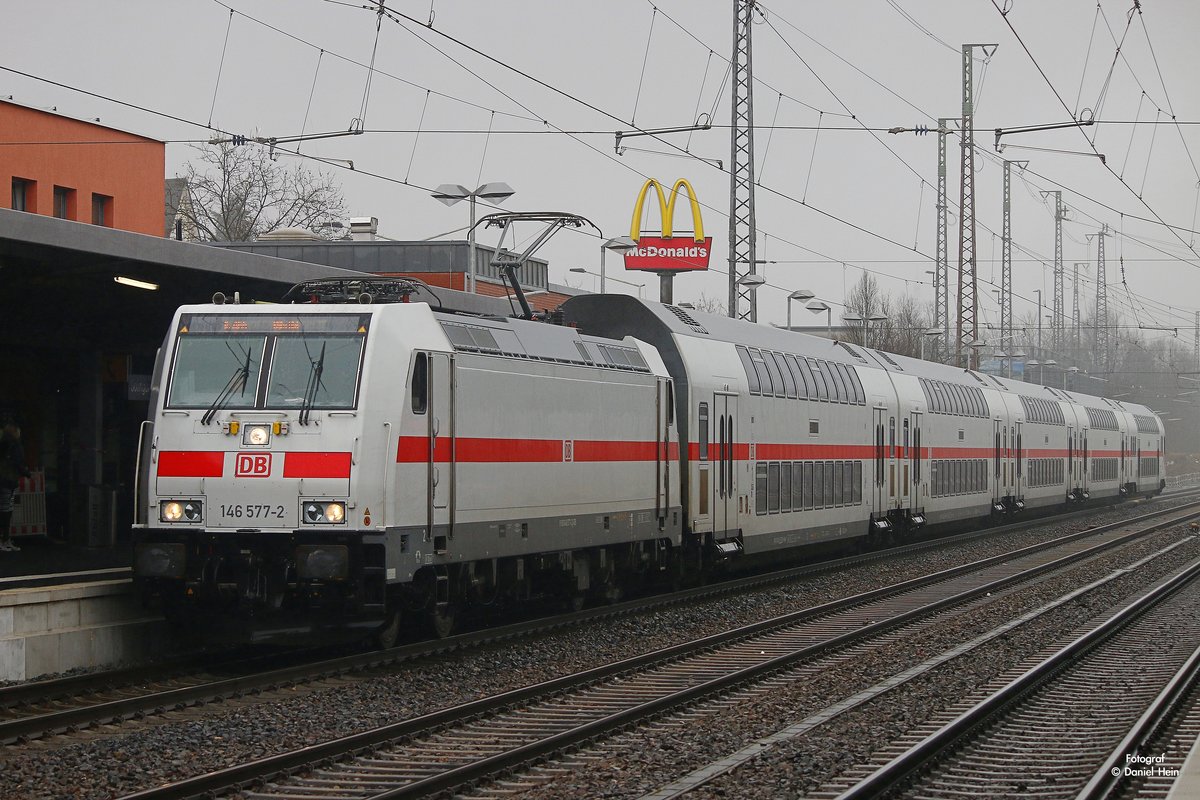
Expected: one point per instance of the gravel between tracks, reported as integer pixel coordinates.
(182, 744)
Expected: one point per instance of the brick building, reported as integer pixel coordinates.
(81, 171)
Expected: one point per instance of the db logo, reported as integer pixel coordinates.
(253, 465)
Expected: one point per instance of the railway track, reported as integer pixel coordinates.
(1049, 730)
(461, 746)
(66, 705)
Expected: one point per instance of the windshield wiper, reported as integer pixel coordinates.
(236, 381)
(314, 383)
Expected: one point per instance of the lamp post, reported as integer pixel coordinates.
(926, 335)
(621, 245)
(1068, 372)
(451, 193)
(639, 286)
(866, 324)
(1049, 362)
(817, 306)
(799, 294)
(975, 347)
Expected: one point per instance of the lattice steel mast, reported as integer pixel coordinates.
(1075, 312)
(941, 270)
(1059, 317)
(741, 168)
(1103, 354)
(1006, 321)
(968, 301)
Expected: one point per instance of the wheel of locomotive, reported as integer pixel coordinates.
(385, 638)
(442, 618)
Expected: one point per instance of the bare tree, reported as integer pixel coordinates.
(710, 305)
(238, 193)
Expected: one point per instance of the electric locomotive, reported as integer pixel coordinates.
(321, 470)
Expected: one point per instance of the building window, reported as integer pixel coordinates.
(64, 202)
(102, 212)
(22, 194)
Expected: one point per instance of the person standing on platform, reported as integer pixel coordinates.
(12, 468)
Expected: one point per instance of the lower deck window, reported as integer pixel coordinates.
(785, 486)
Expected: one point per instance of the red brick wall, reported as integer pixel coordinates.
(90, 159)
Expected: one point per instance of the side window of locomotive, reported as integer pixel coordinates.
(420, 383)
(206, 365)
(703, 425)
(748, 365)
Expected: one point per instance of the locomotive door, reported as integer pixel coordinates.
(442, 456)
(724, 505)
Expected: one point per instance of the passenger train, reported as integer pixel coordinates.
(346, 469)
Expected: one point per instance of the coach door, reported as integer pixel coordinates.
(911, 442)
(725, 511)
(1085, 462)
(442, 456)
(879, 478)
(1019, 461)
(664, 411)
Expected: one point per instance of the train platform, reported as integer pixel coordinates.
(43, 561)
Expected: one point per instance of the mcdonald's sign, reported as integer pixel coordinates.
(667, 252)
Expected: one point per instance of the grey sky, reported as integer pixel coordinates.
(165, 56)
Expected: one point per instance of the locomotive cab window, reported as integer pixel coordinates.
(238, 361)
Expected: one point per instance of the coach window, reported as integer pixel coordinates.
(420, 382)
(785, 486)
(818, 374)
(809, 379)
(748, 365)
(760, 488)
(841, 392)
(773, 487)
(764, 377)
(806, 485)
(789, 383)
(802, 389)
(703, 431)
(776, 376)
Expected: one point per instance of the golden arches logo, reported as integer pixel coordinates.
(666, 207)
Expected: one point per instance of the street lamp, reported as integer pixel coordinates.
(799, 294)
(866, 323)
(926, 335)
(817, 306)
(451, 193)
(1069, 371)
(1049, 362)
(638, 286)
(621, 245)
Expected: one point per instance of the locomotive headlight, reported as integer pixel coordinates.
(180, 510)
(320, 511)
(256, 435)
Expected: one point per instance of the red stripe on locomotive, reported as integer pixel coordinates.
(316, 465)
(191, 464)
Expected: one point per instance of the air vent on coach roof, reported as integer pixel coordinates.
(686, 319)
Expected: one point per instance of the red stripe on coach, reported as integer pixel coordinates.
(191, 464)
(316, 465)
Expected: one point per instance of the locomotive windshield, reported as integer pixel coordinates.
(257, 361)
